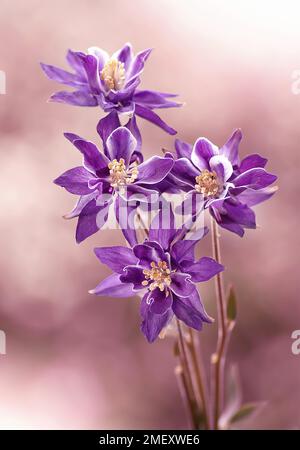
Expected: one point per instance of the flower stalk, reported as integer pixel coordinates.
(200, 377)
(218, 358)
(183, 390)
(185, 386)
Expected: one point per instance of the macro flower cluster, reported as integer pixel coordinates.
(161, 267)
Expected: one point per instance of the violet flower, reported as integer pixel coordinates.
(163, 270)
(111, 83)
(228, 187)
(109, 178)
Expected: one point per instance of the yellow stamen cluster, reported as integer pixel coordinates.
(119, 175)
(207, 183)
(159, 274)
(113, 74)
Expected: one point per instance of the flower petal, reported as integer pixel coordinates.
(101, 55)
(181, 284)
(241, 214)
(76, 98)
(202, 151)
(62, 76)
(75, 180)
(137, 64)
(185, 171)
(192, 204)
(152, 117)
(194, 229)
(162, 228)
(124, 95)
(91, 66)
(125, 214)
(253, 197)
(183, 149)
(93, 160)
(113, 287)
(159, 301)
(82, 201)
(225, 222)
(146, 253)
(116, 258)
(126, 110)
(136, 193)
(184, 250)
(72, 137)
(222, 166)
(153, 99)
(154, 170)
(252, 161)
(124, 55)
(257, 178)
(74, 59)
(190, 310)
(231, 148)
(133, 128)
(90, 220)
(133, 275)
(202, 270)
(170, 184)
(152, 324)
(121, 144)
(107, 125)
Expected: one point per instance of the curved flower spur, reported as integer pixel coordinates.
(229, 188)
(111, 83)
(104, 178)
(163, 270)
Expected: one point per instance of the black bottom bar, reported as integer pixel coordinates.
(87, 439)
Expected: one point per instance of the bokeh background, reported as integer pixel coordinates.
(78, 361)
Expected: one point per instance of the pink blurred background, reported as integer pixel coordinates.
(77, 361)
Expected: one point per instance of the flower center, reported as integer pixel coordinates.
(119, 175)
(158, 276)
(207, 183)
(113, 74)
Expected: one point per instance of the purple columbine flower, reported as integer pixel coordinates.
(111, 177)
(228, 187)
(111, 83)
(163, 270)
